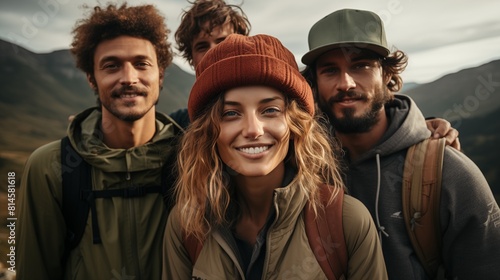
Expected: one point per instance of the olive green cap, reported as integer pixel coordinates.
(346, 28)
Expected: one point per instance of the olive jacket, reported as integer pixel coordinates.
(131, 229)
(288, 254)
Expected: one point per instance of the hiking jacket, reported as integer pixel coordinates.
(131, 229)
(469, 215)
(288, 254)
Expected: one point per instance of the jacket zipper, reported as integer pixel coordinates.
(268, 243)
(133, 229)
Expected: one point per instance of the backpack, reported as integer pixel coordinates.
(420, 208)
(421, 191)
(79, 198)
(421, 196)
(325, 229)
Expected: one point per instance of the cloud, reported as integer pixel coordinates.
(439, 36)
(428, 65)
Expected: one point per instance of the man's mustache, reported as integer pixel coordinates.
(128, 90)
(341, 95)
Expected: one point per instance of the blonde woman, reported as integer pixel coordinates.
(253, 158)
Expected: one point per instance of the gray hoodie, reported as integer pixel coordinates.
(470, 217)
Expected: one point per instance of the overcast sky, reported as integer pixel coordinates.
(440, 37)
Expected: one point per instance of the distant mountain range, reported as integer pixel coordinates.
(469, 93)
(470, 100)
(39, 92)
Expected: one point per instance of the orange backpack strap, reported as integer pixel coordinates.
(326, 235)
(421, 196)
(193, 247)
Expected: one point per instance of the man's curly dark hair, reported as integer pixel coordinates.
(217, 13)
(394, 64)
(110, 22)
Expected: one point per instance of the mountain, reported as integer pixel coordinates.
(408, 86)
(469, 93)
(470, 100)
(39, 92)
(480, 143)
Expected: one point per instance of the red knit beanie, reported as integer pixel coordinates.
(245, 61)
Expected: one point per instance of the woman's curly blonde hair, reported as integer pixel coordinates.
(203, 190)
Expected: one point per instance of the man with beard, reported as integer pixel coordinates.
(355, 78)
(208, 22)
(124, 52)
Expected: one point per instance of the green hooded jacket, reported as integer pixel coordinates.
(288, 254)
(131, 229)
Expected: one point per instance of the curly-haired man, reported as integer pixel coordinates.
(123, 51)
(204, 25)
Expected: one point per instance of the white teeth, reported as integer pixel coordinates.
(348, 100)
(254, 150)
(129, 95)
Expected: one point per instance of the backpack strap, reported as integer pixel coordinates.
(421, 198)
(326, 234)
(79, 198)
(133, 192)
(76, 174)
(322, 232)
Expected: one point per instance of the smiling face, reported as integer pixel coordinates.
(127, 77)
(351, 89)
(254, 135)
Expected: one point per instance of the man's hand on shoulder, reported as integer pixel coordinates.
(442, 128)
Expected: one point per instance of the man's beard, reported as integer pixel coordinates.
(127, 117)
(349, 123)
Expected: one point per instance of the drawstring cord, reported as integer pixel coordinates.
(379, 226)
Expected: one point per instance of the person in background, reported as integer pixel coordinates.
(124, 51)
(355, 78)
(252, 159)
(208, 22)
(204, 25)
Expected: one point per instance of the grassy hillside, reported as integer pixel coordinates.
(37, 94)
(469, 93)
(470, 100)
(479, 138)
(39, 91)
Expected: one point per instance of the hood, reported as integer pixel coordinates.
(84, 134)
(406, 127)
